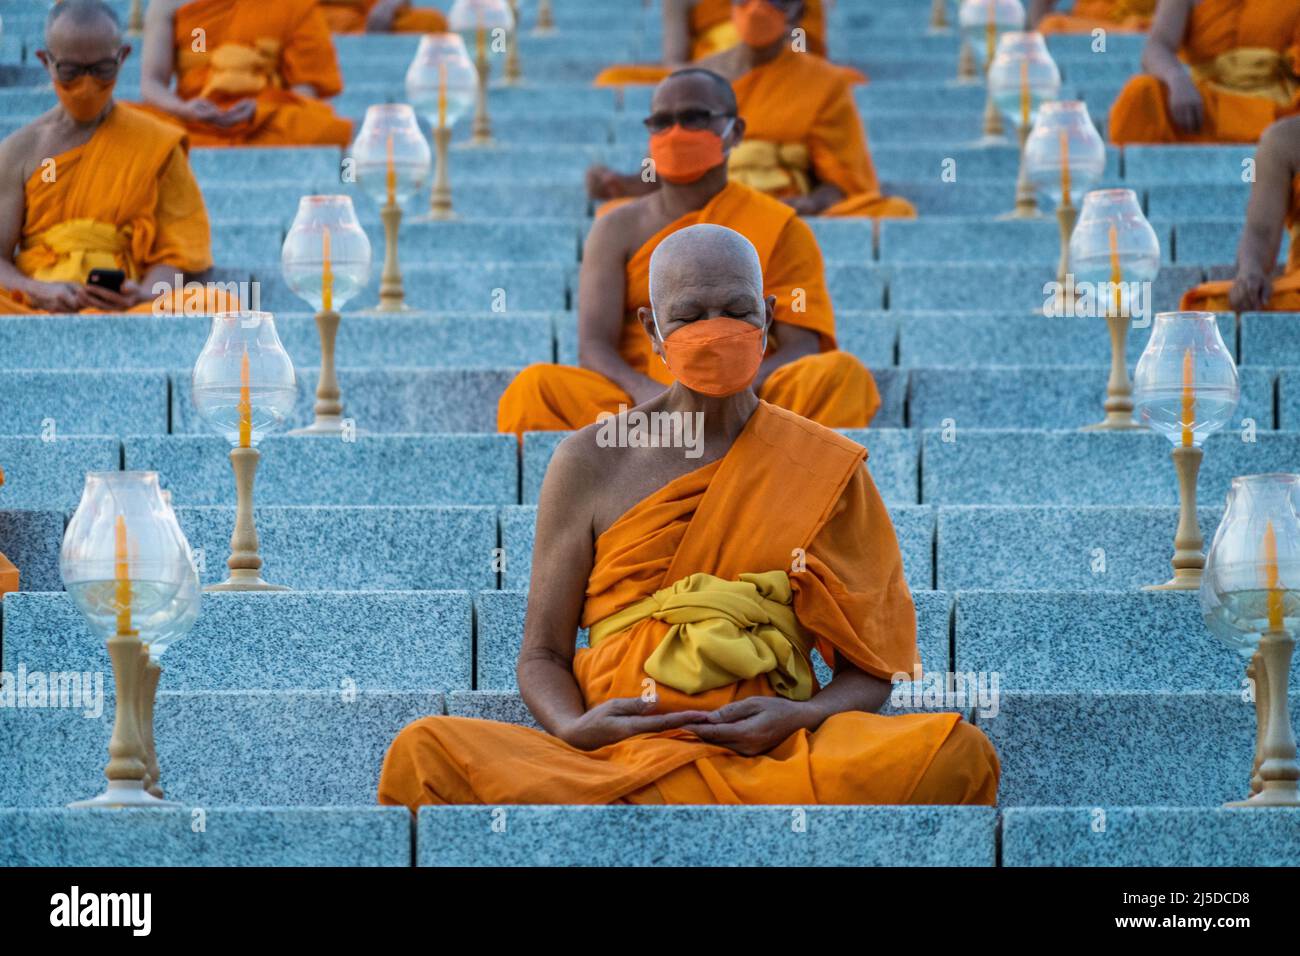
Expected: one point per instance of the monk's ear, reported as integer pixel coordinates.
(646, 318)
(124, 52)
(737, 132)
(769, 308)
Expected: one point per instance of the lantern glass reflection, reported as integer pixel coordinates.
(326, 255)
(163, 629)
(1022, 77)
(982, 22)
(390, 142)
(441, 81)
(1185, 385)
(1064, 151)
(218, 383)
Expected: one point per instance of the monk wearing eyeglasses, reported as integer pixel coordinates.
(695, 123)
(96, 187)
(381, 16)
(248, 72)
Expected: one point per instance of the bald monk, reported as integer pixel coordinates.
(1117, 16)
(697, 687)
(1274, 203)
(381, 16)
(802, 370)
(95, 185)
(257, 79)
(8, 573)
(696, 29)
(803, 143)
(1216, 71)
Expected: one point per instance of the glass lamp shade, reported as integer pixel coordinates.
(390, 151)
(326, 232)
(441, 81)
(1022, 77)
(218, 382)
(982, 22)
(467, 17)
(1113, 242)
(164, 628)
(1064, 123)
(1185, 385)
(121, 560)
(1251, 582)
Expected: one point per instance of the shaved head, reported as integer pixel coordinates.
(697, 85)
(702, 268)
(82, 15)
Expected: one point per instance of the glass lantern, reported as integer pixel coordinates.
(982, 22)
(1022, 77)
(326, 255)
(391, 157)
(1186, 383)
(243, 383)
(1064, 154)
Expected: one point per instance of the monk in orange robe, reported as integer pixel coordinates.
(803, 371)
(1216, 71)
(1274, 203)
(1118, 16)
(95, 185)
(381, 16)
(256, 77)
(696, 29)
(8, 573)
(697, 686)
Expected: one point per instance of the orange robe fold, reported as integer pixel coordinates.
(1243, 56)
(802, 129)
(785, 484)
(1213, 296)
(349, 16)
(831, 387)
(8, 573)
(1120, 16)
(259, 50)
(126, 199)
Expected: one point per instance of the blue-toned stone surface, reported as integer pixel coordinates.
(932, 197)
(1288, 399)
(855, 287)
(51, 474)
(1186, 164)
(935, 240)
(258, 163)
(1214, 242)
(1174, 201)
(924, 286)
(83, 402)
(1270, 338)
(870, 336)
(505, 706)
(31, 540)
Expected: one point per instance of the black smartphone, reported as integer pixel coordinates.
(110, 279)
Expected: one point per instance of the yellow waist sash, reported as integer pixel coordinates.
(771, 167)
(721, 632)
(67, 252)
(239, 70)
(1253, 71)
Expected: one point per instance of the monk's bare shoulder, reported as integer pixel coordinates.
(573, 476)
(622, 230)
(1281, 143)
(23, 150)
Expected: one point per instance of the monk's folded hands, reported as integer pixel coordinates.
(620, 718)
(756, 724)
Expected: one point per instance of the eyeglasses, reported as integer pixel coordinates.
(103, 70)
(686, 119)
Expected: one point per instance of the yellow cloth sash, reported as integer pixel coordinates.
(67, 252)
(719, 37)
(772, 168)
(1253, 71)
(722, 632)
(240, 70)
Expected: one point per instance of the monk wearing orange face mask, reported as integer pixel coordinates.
(381, 16)
(97, 187)
(697, 685)
(694, 126)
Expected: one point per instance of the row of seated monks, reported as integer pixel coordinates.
(706, 581)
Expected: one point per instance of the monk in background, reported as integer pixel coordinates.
(804, 141)
(1274, 203)
(1216, 71)
(697, 685)
(695, 120)
(256, 78)
(95, 185)
(8, 573)
(381, 16)
(1118, 16)
(696, 29)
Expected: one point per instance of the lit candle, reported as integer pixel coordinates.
(1275, 594)
(245, 403)
(327, 273)
(122, 579)
(442, 96)
(392, 174)
(1189, 399)
(480, 46)
(1065, 168)
(1024, 94)
(991, 34)
(1116, 275)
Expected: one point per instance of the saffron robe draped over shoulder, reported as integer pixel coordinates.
(831, 387)
(260, 50)
(8, 573)
(785, 484)
(1213, 296)
(1243, 55)
(349, 16)
(126, 199)
(802, 129)
(1120, 16)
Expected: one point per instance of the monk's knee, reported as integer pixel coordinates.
(965, 770)
(416, 768)
(525, 393)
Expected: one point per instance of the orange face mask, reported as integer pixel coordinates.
(684, 155)
(716, 357)
(758, 22)
(85, 97)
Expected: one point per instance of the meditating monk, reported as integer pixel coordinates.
(8, 573)
(1216, 71)
(248, 72)
(695, 125)
(381, 16)
(1274, 202)
(706, 584)
(1117, 16)
(696, 29)
(96, 186)
(804, 142)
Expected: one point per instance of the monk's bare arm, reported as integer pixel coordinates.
(1277, 161)
(16, 153)
(602, 284)
(1039, 9)
(676, 32)
(158, 59)
(1160, 59)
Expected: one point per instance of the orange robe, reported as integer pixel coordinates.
(1120, 16)
(8, 573)
(831, 387)
(349, 16)
(126, 199)
(712, 32)
(260, 50)
(1213, 296)
(785, 484)
(802, 129)
(1243, 55)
